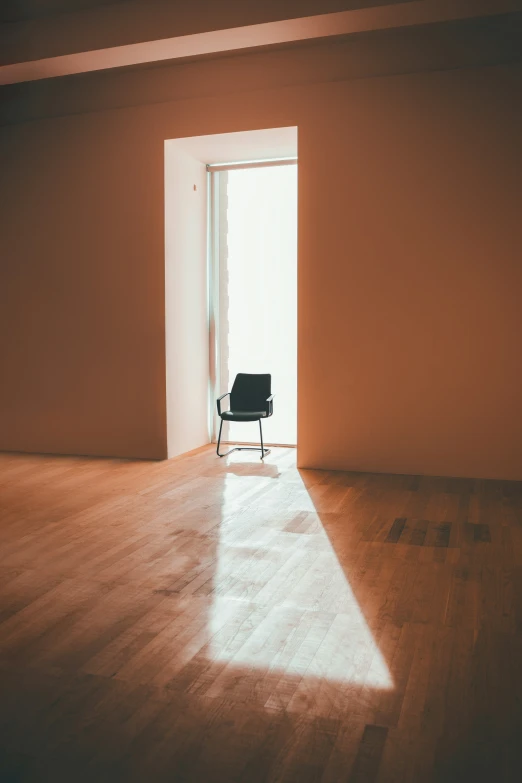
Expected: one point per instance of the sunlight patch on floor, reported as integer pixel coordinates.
(286, 592)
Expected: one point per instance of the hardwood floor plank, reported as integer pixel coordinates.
(230, 620)
(368, 759)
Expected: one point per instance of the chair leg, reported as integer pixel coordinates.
(219, 438)
(219, 441)
(263, 451)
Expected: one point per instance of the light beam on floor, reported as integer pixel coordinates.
(287, 589)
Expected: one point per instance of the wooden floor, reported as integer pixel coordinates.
(227, 620)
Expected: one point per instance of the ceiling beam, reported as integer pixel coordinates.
(287, 31)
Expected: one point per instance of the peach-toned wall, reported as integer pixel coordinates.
(186, 319)
(411, 277)
(82, 317)
(409, 272)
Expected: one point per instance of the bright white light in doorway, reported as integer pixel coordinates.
(258, 304)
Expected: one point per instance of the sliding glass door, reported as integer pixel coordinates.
(255, 290)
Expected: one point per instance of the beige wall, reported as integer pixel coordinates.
(186, 320)
(82, 339)
(409, 272)
(411, 277)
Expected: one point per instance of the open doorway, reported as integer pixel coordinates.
(254, 260)
(230, 280)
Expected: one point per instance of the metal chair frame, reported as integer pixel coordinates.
(264, 452)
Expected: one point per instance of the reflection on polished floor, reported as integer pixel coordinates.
(229, 620)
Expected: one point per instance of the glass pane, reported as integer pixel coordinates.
(258, 292)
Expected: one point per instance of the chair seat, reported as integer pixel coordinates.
(243, 415)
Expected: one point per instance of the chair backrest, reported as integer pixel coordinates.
(249, 392)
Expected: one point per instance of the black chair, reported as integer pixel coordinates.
(250, 400)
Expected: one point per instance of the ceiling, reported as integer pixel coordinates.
(81, 42)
